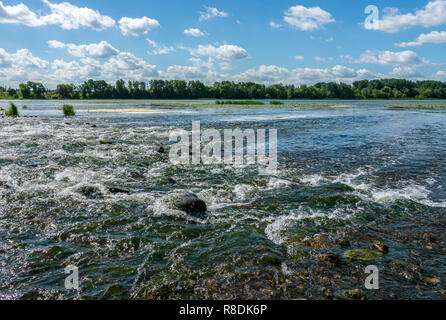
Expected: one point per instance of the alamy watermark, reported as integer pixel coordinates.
(212, 146)
(72, 281)
(372, 280)
(372, 20)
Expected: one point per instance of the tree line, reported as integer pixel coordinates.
(179, 89)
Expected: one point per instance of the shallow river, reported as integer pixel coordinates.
(347, 177)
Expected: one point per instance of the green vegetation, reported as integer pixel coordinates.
(276, 103)
(244, 103)
(427, 106)
(179, 89)
(13, 111)
(68, 110)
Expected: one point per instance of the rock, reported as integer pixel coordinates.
(362, 255)
(135, 174)
(191, 204)
(90, 192)
(160, 149)
(381, 247)
(330, 258)
(94, 126)
(117, 190)
(433, 281)
(102, 141)
(354, 294)
(345, 243)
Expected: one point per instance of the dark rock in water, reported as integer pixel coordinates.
(344, 243)
(330, 258)
(90, 192)
(68, 124)
(94, 126)
(381, 247)
(117, 190)
(191, 204)
(161, 149)
(135, 174)
(102, 141)
(355, 294)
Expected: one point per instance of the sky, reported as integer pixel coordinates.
(265, 41)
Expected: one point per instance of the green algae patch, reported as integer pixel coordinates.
(363, 255)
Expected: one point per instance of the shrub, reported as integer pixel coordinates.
(13, 111)
(276, 103)
(68, 110)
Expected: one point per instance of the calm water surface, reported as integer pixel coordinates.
(347, 177)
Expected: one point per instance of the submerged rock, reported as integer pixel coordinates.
(90, 192)
(191, 204)
(381, 247)
(354, 294)
(330, 258)
(161, 149)
(117, 190)
(363, 255)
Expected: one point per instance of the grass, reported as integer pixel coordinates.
(244, 103)
(276, 103)
(13, 111)
(68, 110)
(428, 106)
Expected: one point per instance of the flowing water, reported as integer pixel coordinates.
(347, 177)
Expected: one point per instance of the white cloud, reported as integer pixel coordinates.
(137, 26)
(64, 14)
(23, 58)
(224, 52)
(433, 14)
(19, 14)
(299, 57)
(402, 58)
(274, 74)
(275, 25)
(307, 19)
(212, 13)
(320, 59)
(159, 49)
(194, 32)
(403, 72)
(435, 37)
(225, 66)
(101, 50)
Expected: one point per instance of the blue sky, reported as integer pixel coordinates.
(295, 42)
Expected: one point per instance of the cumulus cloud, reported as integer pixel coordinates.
(275, 25)
(212, 13)
(64, 14)
(194, 32)
(137, 26)
(101, 50)
(274, 74)
(224, 52)
(299, 57)
(433, 14)
(19, 14)
(402, 58)
(21, 59)
(435, 37)
(307, 19)
(159, 49)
